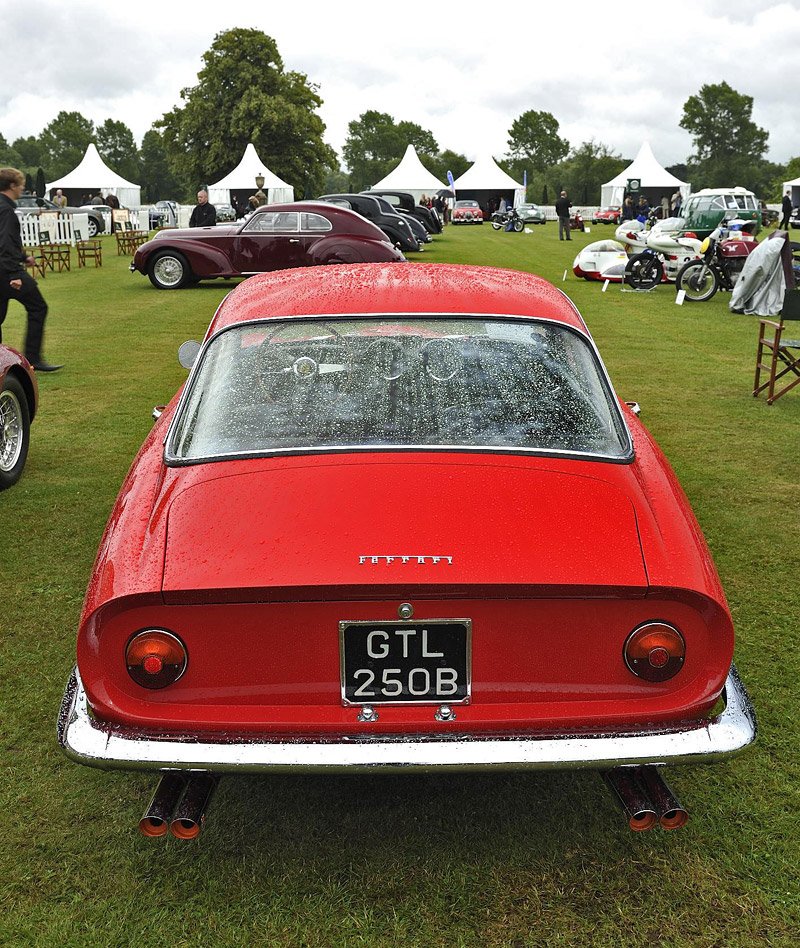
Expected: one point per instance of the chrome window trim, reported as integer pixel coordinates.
(626, 457)
(270, 233)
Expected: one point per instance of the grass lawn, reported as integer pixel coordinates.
(480, 860)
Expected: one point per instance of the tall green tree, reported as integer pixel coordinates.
(117, 146)
(156, 178)
(375, 142)
(243, 95)
(585, 170)
(30, 150)
(64, 142)
(9, 156)
(729, 146)
(534, 142)
(447, 160)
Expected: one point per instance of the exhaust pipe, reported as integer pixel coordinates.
(671, 815)
(189, 815)
(631, 796)
(155, 821)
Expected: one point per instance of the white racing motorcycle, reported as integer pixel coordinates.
(656, 253)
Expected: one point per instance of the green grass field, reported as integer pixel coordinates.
(480, 860)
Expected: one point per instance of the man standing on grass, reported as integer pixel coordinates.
(15, 282)
(786, 211)
(204, 214)
(563, 204)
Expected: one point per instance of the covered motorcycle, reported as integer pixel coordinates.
(765, 276)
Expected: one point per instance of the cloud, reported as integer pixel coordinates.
(465, 72)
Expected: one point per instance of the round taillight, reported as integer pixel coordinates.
(655, 651)
(155, 658)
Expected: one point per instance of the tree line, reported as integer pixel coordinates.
(244, 93)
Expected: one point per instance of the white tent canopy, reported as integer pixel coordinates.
(486, 176)
(92, 176)
(793, 187)
(243, 180)
(410, 176)
(652, 176)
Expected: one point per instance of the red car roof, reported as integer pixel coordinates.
(384, 288)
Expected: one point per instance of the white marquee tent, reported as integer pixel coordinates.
(655, 180)
(93, 175)
(485, 180)
(241, 182)
(410, 176)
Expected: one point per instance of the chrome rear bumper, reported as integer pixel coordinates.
(88, 742)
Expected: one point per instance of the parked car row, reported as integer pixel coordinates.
(403, 229)
(369, 227)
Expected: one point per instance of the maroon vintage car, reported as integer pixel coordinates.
(397, 519)
(275, 237)
(19, 395)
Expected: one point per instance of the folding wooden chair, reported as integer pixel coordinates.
(39, 266)
(782, 355)
(55, 253)
(129, 241)
(89, 250)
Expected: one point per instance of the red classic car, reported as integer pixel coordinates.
(19, 398)
(607, 215)
(274, 237)
(397, 519)
(467, 212)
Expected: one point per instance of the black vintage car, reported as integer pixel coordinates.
(393, 225)
(403, 201)
(31, 204)
(416, 225)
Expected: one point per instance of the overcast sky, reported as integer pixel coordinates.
(614, 72)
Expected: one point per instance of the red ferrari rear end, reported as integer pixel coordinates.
(398, 539)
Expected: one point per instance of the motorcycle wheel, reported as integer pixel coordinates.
(519, 226)
(496, 224)
(698, 281)
(643, 271)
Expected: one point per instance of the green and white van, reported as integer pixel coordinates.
(704, 210)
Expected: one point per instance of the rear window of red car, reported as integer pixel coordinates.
(396, 382)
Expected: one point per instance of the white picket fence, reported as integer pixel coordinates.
(68, 228)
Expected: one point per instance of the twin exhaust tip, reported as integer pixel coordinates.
(178, 805)
(645, 798)
(180, 801)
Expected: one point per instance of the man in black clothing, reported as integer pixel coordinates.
(15, 282)
(563, 204)
(786, 209)
(204, 214)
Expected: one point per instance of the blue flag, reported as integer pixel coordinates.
(451, 182)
